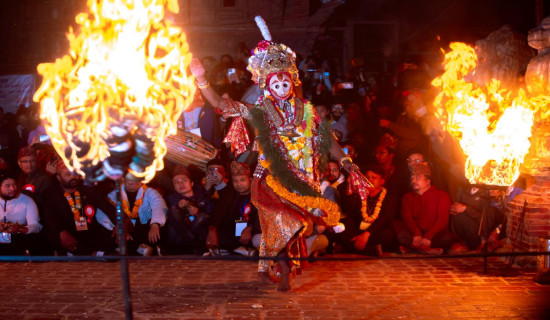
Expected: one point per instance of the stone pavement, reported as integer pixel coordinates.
(209, 289)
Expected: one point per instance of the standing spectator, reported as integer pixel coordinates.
(19, 225)
(339, 120)
(407, 128)
(188, 213)
(200, 119)
(425, 214)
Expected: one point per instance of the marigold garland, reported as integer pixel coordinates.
(75, 204)
(275, 159)
(137, 204)
(368, 220)
(305, 202)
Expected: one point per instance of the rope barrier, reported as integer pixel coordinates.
(257, 258)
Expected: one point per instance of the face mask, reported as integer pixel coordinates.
(280, 86)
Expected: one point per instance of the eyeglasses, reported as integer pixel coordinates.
(415, 160)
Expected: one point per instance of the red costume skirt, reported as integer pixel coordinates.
(284, 225)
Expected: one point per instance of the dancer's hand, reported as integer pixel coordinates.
(197, 69)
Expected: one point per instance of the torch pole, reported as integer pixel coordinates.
(121, 226)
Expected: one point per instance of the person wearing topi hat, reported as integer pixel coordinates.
(70, 210)
(425, 215)
(32, 181)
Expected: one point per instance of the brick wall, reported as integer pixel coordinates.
(536, 218)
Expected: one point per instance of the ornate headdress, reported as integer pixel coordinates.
(269, 57)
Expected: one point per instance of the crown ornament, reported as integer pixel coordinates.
(269, 57)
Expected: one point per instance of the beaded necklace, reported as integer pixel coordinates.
(75, 204)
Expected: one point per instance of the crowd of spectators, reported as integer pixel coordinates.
(418, 201)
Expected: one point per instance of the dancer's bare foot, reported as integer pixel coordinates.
(284, 285)
(265, 277)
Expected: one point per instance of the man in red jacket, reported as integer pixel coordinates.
(425, 215)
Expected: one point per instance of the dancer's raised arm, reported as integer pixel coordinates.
(202, 83)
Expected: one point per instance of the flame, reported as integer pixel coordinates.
(124, 74)
(492, 124)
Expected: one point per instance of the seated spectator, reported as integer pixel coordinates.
(333, 174)
(32, 181)
(19, 221)
(235, 220)
(425, 215)
(146, 209)
(215, 181)
(327, 190)
(188, 211)
(416, 157)
(70, 215)
(475, 221)
(370, 232)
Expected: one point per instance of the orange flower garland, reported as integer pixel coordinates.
(75, 204)
(126, 207)
(368, 220)
(305, 202)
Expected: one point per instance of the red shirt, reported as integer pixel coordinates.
(427, 214)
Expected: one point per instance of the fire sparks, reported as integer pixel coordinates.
(492, 124)
(120, 89)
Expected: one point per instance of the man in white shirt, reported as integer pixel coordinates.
(19, 221)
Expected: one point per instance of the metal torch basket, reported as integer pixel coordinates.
(189, 149)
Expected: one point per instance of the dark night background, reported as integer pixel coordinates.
(33, 31)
